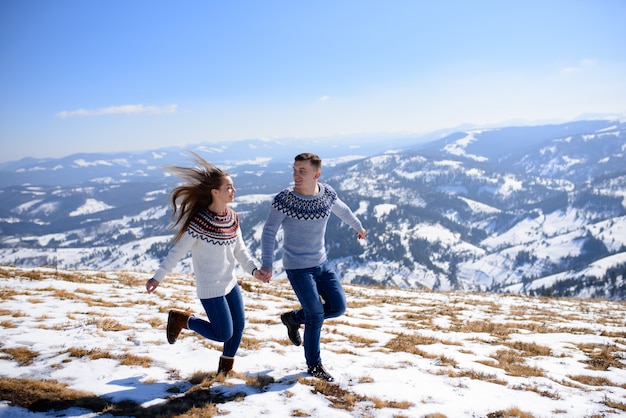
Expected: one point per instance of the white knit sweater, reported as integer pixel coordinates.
(214, 254)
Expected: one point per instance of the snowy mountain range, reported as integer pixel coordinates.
(531, 210)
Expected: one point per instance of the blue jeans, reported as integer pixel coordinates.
(226, 321)
(309, 285)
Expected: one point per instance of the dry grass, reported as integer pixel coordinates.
(92, 354)
(620, 406)
(129, 359)
(22, 355)
(514, 365)
(468, 325)
(530, 349)
(43, 395)
(126, 359)
(601, 357)
(510, 413)
(593, 380)
(532, 388)
(494, 329)
(250, 343)
(356, 340)
(154, 322)
(206, 411)
(472, 374)
(341, 398)
(259, 381)
(366, 379)
(443, 360)
(381, 403)
(108, 324)
(409, 342)
(7, 324)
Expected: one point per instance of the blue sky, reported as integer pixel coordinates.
(94, 75)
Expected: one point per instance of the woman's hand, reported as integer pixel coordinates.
(262, 276)
(151, 285)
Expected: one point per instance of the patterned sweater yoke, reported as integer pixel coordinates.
(303, 220)
(220, 229)
(304, 207)
(216, 247)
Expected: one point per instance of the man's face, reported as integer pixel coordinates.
(304, 175)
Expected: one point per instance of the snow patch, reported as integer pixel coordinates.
(90, 206)
(459, 147)
(383, 210)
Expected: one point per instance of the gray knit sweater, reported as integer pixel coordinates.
(303, 219)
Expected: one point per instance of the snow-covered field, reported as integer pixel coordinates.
(395, 353)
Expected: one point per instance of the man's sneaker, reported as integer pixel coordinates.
(320, 372)
(293, 328)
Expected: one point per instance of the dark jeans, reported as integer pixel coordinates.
(309, 284)
(226, 321)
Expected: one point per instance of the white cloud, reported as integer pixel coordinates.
(324, 98)
(119, 110)
(582, 65)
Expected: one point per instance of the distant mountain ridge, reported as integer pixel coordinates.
(534, 210)
(237, 156)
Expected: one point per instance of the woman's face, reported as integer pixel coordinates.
(226, 192)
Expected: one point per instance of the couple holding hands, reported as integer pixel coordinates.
(209, 228)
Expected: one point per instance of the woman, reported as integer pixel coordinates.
(210, 230)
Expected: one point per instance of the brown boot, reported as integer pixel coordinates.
(176, 321)
(226, 365)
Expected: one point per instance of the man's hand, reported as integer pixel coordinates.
(151, 285)
(361, 234)
(262, 276)
(267, 273)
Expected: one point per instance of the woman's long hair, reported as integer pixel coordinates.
(195, 194)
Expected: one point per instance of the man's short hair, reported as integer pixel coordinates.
(315, 160)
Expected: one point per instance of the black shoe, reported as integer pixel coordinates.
(320, 372)
(293, 328)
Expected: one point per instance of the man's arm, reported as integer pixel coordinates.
(345, 214)
(268, 238)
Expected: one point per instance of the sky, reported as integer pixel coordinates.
(103, 76)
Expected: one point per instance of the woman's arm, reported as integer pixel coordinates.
(178, 251)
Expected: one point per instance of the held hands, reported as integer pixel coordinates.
(263, 275)
(151, 285)
(361, 234)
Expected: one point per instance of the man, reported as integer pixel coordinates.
(303, 211)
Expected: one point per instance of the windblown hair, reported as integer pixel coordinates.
(195, 194)
(315, 160)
